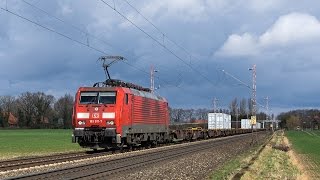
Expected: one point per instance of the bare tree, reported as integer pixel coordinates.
(293, 122)
(63, 108)
(43, 106)
(35, 107)
(25, 103)
(176, 115)
(234, 106)
(201, 114)
(188, 115)
(243, 107)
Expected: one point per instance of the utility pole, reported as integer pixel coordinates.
(215, 104)
(254, 101)
(267, 107)
(254, 90)
(152, 71)
(152, 79)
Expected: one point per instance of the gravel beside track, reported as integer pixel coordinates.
(184, 161)
(197, 165)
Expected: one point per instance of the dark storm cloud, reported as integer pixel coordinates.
(34, 59)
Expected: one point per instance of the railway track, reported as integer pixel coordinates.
(45, 160)
(101, 170)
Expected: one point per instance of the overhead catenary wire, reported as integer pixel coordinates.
(74, 40)
(163, 45)
(164, 34)
(97, 38)
(159, 43)
(71, 25)
(52, 30)
(93, 36)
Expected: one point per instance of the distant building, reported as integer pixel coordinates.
(12, 120)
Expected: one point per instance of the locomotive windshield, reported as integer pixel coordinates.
(107, 97)
(88, 97)
(98, 98)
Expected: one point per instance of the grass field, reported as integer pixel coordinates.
(34, 142)
(306, 143)
(273, 163)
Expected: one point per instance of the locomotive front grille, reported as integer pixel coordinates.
(93, 135)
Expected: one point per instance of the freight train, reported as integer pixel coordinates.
(118, 114)
(121, 114)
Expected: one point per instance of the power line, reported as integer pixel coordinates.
(71, 25)
(161, 44)
(74, 40)
(52, 30)
(237, 79)
(89, 34)
(97, 38)
(164, 35)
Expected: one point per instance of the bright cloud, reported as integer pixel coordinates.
(289, 30)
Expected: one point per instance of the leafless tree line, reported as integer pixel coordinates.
(179, 115)
(303, 118)
(238, 109)
(36, 110)
(40, 110)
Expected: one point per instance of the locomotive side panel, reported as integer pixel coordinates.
(149, 118)
(149, 112)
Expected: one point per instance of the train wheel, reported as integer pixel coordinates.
(154, 144)
(121, 147)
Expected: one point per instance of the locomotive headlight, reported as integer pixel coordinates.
(81, 122)
(110, 122)
(82, 115)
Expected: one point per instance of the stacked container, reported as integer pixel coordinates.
(245, 124)
(219, 121)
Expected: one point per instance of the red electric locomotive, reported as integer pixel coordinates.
(119, 114)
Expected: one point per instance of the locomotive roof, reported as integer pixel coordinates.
(127, 90)
(147, 95)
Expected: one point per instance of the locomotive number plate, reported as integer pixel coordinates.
(95, 121)
(95, 115)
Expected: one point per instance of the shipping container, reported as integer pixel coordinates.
(258, 125)
(219, 121)
(245, 124)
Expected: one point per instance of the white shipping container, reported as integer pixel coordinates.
(258, 125)
(229, 119)
(219, 121)
(245, 124)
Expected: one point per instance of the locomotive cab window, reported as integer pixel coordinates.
(107, 97)
(126, 98)
(88, 98)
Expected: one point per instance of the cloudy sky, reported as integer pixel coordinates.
(53, 46)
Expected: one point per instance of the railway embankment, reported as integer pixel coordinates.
(288, 155)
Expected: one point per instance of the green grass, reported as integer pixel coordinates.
(272, 164)
(34, 142)
(234, 165)
(307, 143)
(227, 169)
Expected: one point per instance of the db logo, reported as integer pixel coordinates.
(95, 115)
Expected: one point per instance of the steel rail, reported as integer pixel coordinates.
(110, 167)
